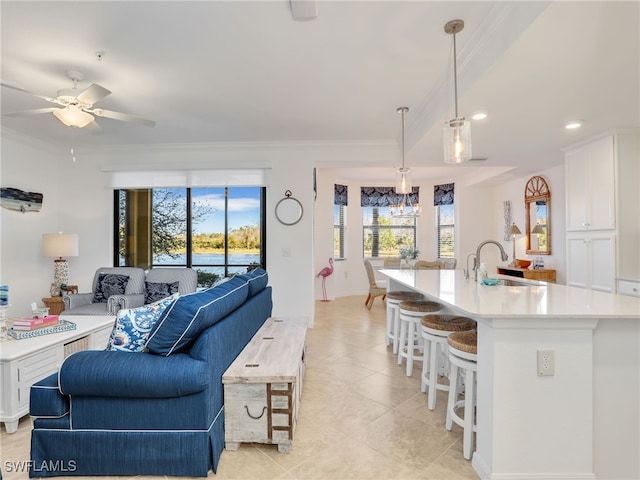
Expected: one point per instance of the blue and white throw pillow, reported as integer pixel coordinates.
(157, 291)
(109, 284)
(133, 325)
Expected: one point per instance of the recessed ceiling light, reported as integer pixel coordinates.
(573, 124)
(479, 116)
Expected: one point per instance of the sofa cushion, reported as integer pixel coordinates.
(157, 291)
(45, 399)
(257, 280)
(133, 325)
(109, 284)
(182, 322)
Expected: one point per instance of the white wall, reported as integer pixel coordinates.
(31, 168)
(514, 191)
(78, 199)
(479, 217)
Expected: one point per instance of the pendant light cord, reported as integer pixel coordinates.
(455, 74)
(402, 144)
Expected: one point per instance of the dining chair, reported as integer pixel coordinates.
(426, 265)
(448, 263)
(377, 288)
(392, 262)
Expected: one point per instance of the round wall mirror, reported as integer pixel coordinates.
(537, 201)
(289, 210)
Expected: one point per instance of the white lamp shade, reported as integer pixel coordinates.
(403, 180)
(457, 140)
(60, 245)
(72, 116)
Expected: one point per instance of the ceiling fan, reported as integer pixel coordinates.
(77, 106)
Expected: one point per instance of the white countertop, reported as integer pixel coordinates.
(540, 298)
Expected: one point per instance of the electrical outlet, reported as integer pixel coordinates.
(546, 363)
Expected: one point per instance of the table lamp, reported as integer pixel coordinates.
(58, 245)
(513, 231)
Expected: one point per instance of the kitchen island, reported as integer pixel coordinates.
(583, 422)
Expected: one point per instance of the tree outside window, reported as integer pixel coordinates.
(219, 231)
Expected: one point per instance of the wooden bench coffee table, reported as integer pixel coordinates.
(262, 386)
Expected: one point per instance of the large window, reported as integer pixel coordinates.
(339, 231)
(446, 231)
(217, 231)
(383, 235)
(443, 200)
(340, 202)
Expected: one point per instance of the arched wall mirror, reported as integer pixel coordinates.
(537, 201)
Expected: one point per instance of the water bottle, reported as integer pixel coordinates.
(482, 272)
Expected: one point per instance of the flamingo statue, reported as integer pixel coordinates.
(324, 273)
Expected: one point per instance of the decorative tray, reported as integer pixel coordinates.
(63, 326)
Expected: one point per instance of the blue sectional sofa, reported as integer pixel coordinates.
(157, 412)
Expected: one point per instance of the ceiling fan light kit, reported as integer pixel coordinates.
(73, 116)
(77, 106)
(457, 131)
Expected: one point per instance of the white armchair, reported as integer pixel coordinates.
(162, 282)
(111, 290)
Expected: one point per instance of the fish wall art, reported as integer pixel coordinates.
(20, 201)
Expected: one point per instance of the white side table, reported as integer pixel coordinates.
(27, 361)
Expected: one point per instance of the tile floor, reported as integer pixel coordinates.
(361, 417)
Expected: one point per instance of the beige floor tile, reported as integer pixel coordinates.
(361, 417)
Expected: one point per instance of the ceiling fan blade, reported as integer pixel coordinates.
(20, 89)
(24, 113)
(124, 117)
(92, 94)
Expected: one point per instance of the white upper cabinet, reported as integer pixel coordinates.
(603, 210)
(590, 175)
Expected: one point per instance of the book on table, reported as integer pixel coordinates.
(34, 323)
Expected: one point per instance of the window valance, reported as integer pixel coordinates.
(387, 196)
(250, 177)
(443, 194)
(340, 194)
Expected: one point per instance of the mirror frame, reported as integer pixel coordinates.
(535, 190)
(289, 210)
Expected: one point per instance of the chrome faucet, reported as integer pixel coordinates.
(476, 264)
(466, 271)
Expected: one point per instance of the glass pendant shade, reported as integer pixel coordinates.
(457, 140)
(403, 180)
(72, 116)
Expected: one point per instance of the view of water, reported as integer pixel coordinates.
(208, 259)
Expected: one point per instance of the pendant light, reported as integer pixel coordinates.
(403, 174)
(406, 209)
(457, 131)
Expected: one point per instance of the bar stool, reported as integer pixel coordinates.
(411, 312)
(463, 351)
(435, 330)
(393, 314)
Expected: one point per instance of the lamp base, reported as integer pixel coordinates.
(60, 272)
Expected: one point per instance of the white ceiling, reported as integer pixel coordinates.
(238, 71)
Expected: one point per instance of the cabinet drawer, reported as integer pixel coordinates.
(100, 338)
(629, 287)
(34, 368)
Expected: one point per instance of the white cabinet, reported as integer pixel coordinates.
(603, 210)
(591, 261)
(25, 362)
(590, 174)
